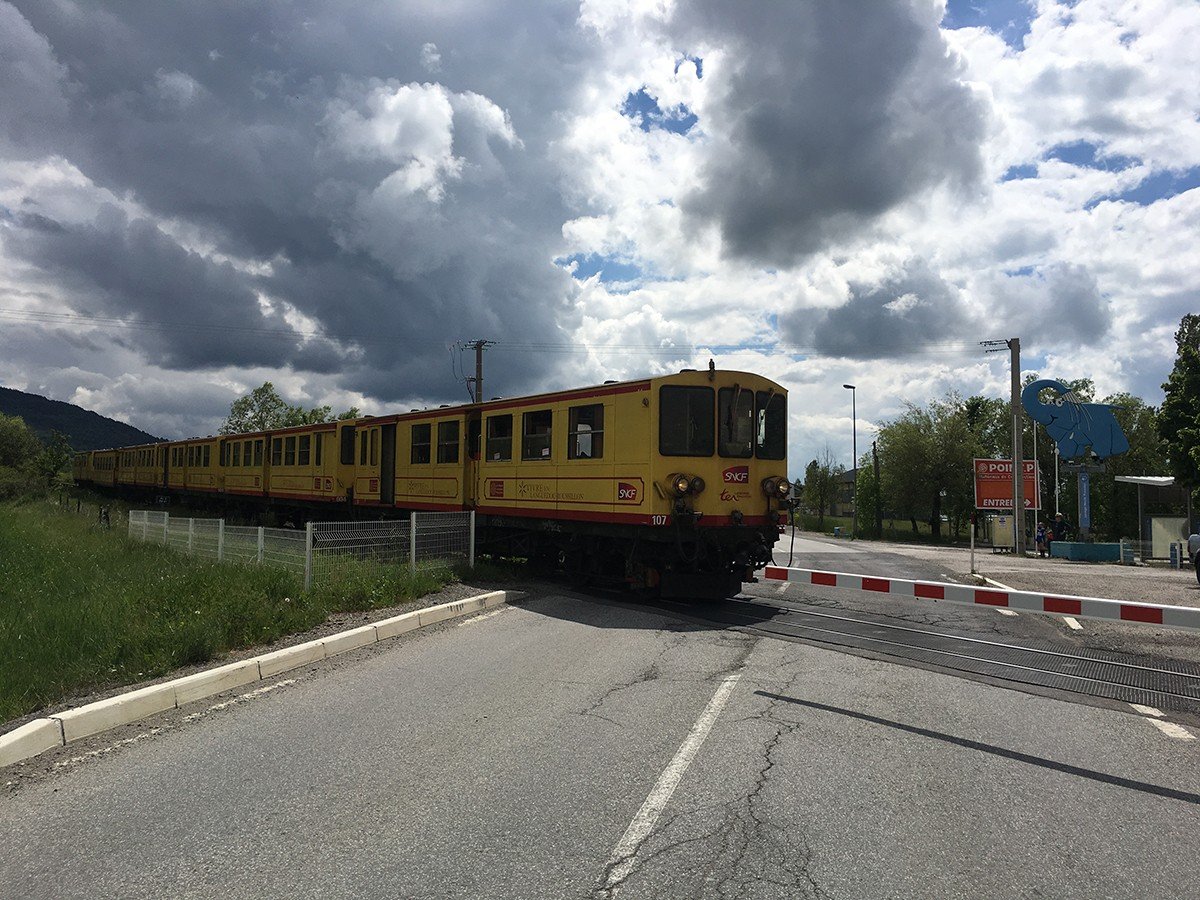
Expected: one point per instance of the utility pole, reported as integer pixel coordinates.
(477, 381)
(1018, 452)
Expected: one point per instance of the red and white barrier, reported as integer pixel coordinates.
(1026, 601)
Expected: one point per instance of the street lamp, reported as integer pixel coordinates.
(854, 431)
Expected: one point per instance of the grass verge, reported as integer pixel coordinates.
(83, 608)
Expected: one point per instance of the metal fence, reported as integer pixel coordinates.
(322, 548)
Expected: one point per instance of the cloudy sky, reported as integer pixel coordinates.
(195, 198)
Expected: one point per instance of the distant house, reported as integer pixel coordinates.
(843, 494)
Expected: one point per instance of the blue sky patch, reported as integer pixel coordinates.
(1016, 173)
(1088, 156)
(610, 267)
(1159, 186)
(1008, 18)
(644, 110)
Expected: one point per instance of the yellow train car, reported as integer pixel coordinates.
(143, 466)
(200, 470)
(243, 461)
(301, 465)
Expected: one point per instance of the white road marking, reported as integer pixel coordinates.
(1006, 612)
(625, 853)
(1072, 623)
(995, 583)
(782, 588)
(486, 615)
(1170, 729)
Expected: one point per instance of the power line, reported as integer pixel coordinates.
(949, 348)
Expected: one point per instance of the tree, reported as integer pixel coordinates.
(20, 458)
(263, 410)
(866, 496)
(54, 457)
(1179, 418)
(820, 484)
(260, 410)
(925, 460)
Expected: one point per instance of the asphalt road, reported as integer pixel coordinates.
(584, 747)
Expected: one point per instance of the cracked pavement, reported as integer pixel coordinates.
(507, 759)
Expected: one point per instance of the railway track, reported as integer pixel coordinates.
(1166, 684)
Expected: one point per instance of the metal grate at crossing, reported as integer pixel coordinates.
(1170, 684)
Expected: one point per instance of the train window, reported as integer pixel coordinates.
(258, 452)
(685, 421)
(535, 434)
(348, 445)
(772, 425)
(585, 432)
(237, 454)
(289, 450)
(448, 442)
(207, 456)
(318, 442)
(362, 449)
(735, 422)
(304, 455)
(374, 446)
(276, 451)
(420, 444)
(499, 438)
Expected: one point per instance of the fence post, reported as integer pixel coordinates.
(412, 541)
(220, 540)
(191, 533)
(471, 542)
(260, 544)
(166, 527)
(308, 555)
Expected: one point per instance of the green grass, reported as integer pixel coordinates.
(83, 608)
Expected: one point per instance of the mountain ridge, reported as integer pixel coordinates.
(85, 430)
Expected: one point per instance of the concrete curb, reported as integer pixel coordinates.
(70, 725)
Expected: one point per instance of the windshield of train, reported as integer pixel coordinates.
(685, 421)
(735, 422)
(771, 417)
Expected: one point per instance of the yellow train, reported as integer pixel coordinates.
(676, 482)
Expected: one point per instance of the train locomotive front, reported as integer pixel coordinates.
(720, 480)
(677, 484)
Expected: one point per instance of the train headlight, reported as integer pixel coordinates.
(775, 487)
(697, 485)
(681, 484)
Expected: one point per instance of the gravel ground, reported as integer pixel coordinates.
(1150, 583)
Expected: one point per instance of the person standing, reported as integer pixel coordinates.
(1042, 539)
(1058, 529)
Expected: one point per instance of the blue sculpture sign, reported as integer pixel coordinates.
(1074, 425)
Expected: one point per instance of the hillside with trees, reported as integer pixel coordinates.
(83, 429)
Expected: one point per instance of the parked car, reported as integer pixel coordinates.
(1194, 553)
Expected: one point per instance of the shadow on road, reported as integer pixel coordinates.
(1042, 762)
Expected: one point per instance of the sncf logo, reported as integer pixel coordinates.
(626, 491)
(737, 475)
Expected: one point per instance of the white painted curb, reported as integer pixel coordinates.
(59, 729)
